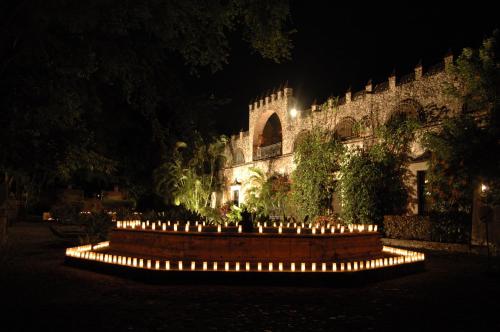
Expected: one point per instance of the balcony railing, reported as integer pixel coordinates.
(268, 151)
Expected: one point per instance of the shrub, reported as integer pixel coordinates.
(96, 227)
(438, 227)
(66, 212)
(407, 227)
(451, 227)
(371, 187)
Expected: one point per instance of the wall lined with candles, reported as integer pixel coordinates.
(393, 256)
(261, 228)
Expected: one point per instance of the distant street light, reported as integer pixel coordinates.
(293, 113)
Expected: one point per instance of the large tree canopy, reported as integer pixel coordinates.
(98, 87)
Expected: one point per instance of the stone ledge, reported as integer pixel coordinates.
(439, 246)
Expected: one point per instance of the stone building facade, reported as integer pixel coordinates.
(275, 125)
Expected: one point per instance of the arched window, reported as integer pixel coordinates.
(365, 126)
(346, 129)
(406, 109)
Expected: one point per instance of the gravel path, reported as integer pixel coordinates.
(39, 292)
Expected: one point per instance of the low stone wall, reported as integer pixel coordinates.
(440, 246)
(246, 246)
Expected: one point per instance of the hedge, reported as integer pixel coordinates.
(438, 227)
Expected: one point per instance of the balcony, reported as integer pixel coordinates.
(269, 151)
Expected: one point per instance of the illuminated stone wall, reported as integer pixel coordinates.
(421, 93)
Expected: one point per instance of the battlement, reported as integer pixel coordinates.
(394, 81)
(276, 95)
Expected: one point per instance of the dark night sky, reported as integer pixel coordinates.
(335, 48)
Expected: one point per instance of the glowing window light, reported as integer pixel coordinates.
(361, 265)
(193, 265)
(265, 223)
(167, 265)
(134, 262)
(175, 228)
(225, 224)
(332, 229)
(260, 229)
(274, 224)
(259, 266)
(270, 266)
(341, 229)
(280, 230)
(342, 266)
(322, 229)
(143, 226)
(180, 265)
(164, 227)
(118, 224)
(313, 267)
(298, 230)
(157, 265)
(153, 227)
(237, 266)
(226, 266)
(292, 267)
(323, 267)
(313, 231)
(215, 266)
(247, 266)
(287, 225)
(148, 264)
(240, 229)
(370, 228)
(199, 228)
(205, 266)
(196, 223)
(375, 228)
(280, 266)
(355, 266)
(219, 228)
(302, 267)
(168, 223)
(187, 227)
(349, 266)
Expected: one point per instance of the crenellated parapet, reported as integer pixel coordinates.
(277, 96)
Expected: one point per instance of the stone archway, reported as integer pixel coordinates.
(268, 136)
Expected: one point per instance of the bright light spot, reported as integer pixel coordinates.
(293, 112)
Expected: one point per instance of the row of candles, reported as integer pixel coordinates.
(262, 228)
(87, 253)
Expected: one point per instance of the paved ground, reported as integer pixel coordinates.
(38, 292)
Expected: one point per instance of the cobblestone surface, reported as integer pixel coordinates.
(39, 292)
